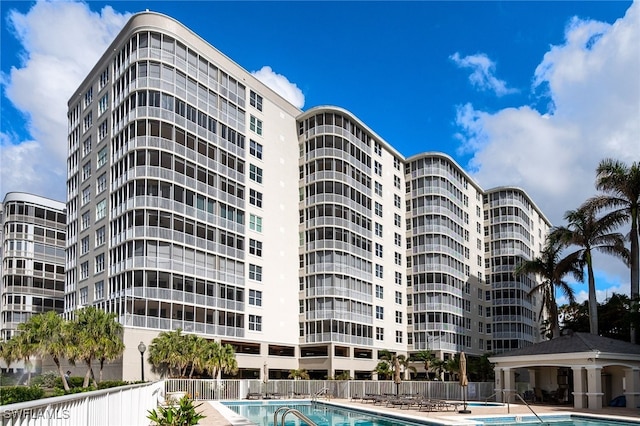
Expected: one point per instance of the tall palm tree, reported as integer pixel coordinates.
(551, 269)
(111, 345)
(165, 353)
(621, 186)
(22, 348)
(196, 348)
(221, 359)
(50, 334)
(589, 233)
(426, 357)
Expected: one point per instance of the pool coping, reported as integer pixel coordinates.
(447, 420)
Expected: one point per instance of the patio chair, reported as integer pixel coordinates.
(254, 395)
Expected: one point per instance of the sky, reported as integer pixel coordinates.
(527, 94)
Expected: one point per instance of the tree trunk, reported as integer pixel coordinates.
(62, 376)
(593, 301)
(635, 272)
(100, 372)
(87, 375)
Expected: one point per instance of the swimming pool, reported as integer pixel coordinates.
(326, 414)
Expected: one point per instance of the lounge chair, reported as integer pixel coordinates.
(254, 395)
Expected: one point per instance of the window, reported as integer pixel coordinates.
(255, 198)
(84, 270)
(86, 195)
(398, 278)
(103, 103)
(86, 220)
(101, 209)
(98, 290)
(379, 312)
(397, 202)
(378, 249)
(379, 333)
(255, 149)
(86, 146)
(379, 291)
(378, 209)
(397, 239)
(255, 100)
(84, 245)
(398, 336)
(396, 181)
(377, 168)
(255, 247)
(398, 317)
(255, 223)
(255, 173)
(104, 78)
(100, 236)
(397, 220)
(101, 183)
(84, 295)
(102, 157)
(100, 263)
(397, 258)
(255, 125)
(398, 298)
(255, 322)
(255, 297)
(86, 171)
(379, 271)
(255, 272)
(377, 148)
(378, 188)
(396, 163)
(102, 130)
(378, 229)
(87, 122)
(88, 96)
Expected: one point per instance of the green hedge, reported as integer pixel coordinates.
(14, 394)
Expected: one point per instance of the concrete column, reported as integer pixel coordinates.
(498, 384)
(594, 387)
(578, 387)
(532, 378)
(632, 386)
(509, 384)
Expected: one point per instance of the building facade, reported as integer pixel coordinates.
(32, 242)
(200, 199)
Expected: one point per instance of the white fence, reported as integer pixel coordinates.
(126, 405)
(202, 389)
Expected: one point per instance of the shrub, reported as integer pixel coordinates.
(14, 394)
(112, 384)
(183, 414)
(47, 379)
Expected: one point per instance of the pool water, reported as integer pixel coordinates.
(261, 413)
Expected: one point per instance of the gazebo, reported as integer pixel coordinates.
(584, 368)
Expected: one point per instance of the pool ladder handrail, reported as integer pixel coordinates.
(517, 395)
(320, 392)
(293, 411)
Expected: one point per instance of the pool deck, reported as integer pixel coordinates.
(214, 418)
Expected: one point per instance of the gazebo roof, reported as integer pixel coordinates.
(576, 343)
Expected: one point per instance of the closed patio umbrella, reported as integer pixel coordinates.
(464, 382)
(396, 374)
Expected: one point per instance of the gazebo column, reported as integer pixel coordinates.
(594, 386)
(509, 383)
(532, 377)
(632, 386)
(578, 387)
(498, 384)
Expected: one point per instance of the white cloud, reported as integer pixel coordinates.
(482, 76)
(281, 85)
(594, 90)
(594, 104)
(61, 42)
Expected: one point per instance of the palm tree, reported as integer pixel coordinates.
(590, 233)
(165, 353)
(551, 269)
(452, 365)
(50, 333)
(427, 357)
(220, 359)
(111, 344)
(196, 346)
(621, 185)
(438, 366)
(22, 348)
(300, 374)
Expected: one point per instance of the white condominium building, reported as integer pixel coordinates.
(32, 254)
(200, 199)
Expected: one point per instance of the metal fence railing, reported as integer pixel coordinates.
(210, 389)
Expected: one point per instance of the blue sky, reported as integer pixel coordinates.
(531, 94)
